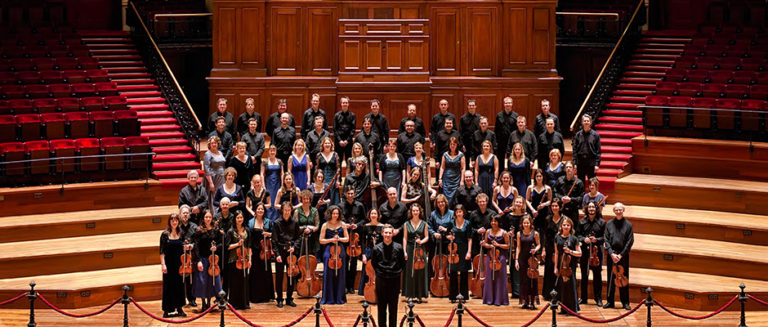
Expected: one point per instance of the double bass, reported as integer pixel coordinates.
(310, 284)
(478, 280)
(439, 283)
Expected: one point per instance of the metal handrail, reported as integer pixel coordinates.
(165, 63)
(581, 13)
(184, 15)
(607, 62)
(81, 157)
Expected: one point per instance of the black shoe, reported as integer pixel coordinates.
(279, 304)
(525, 306)
(532, 307)
(166, 315)
(291, 303)
(180, 313)
(608, 305)
(599, 302)
(627, 307)
(193, 304)
(582, 301)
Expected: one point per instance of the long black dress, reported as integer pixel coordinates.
(567, 290)
(529, 288)
(260, 278)
(459, 284)
(238, 278)
(548, 240)
(173, 288)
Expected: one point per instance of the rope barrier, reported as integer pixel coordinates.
(750, 296)
(327, 319)
(9, 301)
(421, 323)
(252, 324)
(357, 321)
(471, 314)
(718, 311)
(169, 321)
(450, 318)
(72, 315)
(373, 322)
(598, 321)
(402, 321)
(541, 313)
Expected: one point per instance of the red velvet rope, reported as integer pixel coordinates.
(13, 299)
(476, 318)
(735, 297)
(169, 321)
(373, 321)
(597, 321)
(758, 300)
(450, 318)
(42, 298)
(421, 323)
(327, 319)
(252, 324)
(541, 312)
(402, 321)
(357, 321)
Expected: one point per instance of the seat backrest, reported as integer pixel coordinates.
(102, 115)
(727, 103)
(703, 102)
(749, 104)
(679, 101)
(62, 144)
(87, 143)
(11, 147)
(27, 118)
(36, 145)
(52, 116)
(76, 115)
(126, 114)
(656, 100)
(112, 142)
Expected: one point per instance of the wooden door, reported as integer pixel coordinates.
(285, 41)
(480, 45)
(320, 54)
(446, 41)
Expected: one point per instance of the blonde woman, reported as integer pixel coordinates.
(299, 165)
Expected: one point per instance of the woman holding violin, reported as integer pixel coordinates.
(334, 234)
(496, 242)
(239, 262)
(415, 235)
(527, 264)
(553, 226)
(207, 240)
(567, 252)
(459, 253)
(370, 236)
(261, 288)
(173, 260)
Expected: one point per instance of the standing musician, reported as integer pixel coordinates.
(481, 221)
(171, 248)
(461, 235)
(439, 221)
(344, 123)
(239, 245)
(553, 226)
(590, 233)
(334, 233)
(567, 245)
(207, 240)
(393, 212)
(353, 214)
(370, 236)
(379, 121)
(415, 235)
(586, 149)
(194, 196)
(309, 220)
(528, 244)
(468, 193)
(496, 241)
(619, 238)
(286, 238)
(570, 190)
(388, 260)
(187, 229)
(260, 281)
(360, 181)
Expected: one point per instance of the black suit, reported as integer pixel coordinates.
(388, 262)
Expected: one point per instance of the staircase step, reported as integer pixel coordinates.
(645, 74)
(613, 141)
(637, 80)
(628, 99)
(178, 149)
(101, 52)
(129, 75)
(633, 86)
(121, 46)
(618, 149)
(667, 51)
(108, 40)
(139, 87)
(606, 164)
(652, 62)
(166, 141)
(174, 157)
(121, 63)
(120, 57)
(618, 134)
(148, 107)
(175, 165)
(157, 121)
(133, 81)
(621, 120)
(153, 100)
(619, 127)
(633, 92)
(142, 94)
(154, 114)
(615, 156)
(103, 33)
(647, 68)
(630, 113)
(159, 128)
(161, 135)
(659, 45)
(655, 56)
(623, 106)
(609, 172)
(126, 70)
(174, 174)
(667, 39)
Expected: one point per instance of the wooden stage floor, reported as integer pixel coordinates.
(434, 314)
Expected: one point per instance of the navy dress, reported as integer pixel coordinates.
(540, 222)
(551, 175)
(334, 286)
(451, 175)
(521, 175)
(329, 168)
(392, 172)
(299, 170)
(272, 184)
(567, 290)
(485, 176)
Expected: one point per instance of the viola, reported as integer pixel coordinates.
(292, 270)
(439, 282)
(243, 258)
(418, 258)
(213, 263)
(533, 266)
(335, 262)
(354, 249)
(594, 259)
(619, 278)
(565, 266)
(186, 262)
(453, 256)
(310, 284)
(266, 250)
(478, 281)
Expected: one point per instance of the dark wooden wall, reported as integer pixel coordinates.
(399, 52)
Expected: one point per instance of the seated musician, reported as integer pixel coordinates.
(362, 182)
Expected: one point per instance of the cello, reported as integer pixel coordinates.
(369, 291)
(310, 284)
(478, 281)
(439, 283)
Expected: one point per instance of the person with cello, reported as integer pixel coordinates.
(370, 236)
(528, 243)
(173, 260)
(260, 282)
(590, 232)
(619, 238)
(206, 240)
(567, 246)
(496, 242)
(460, 235)
(309, 220)
(415, 235)
(334, 233)
(239, 262)
(286, 237)
(439, 221)
(354, 217)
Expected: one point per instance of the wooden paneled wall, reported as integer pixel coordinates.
(400, 53)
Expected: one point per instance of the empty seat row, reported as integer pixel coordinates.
(74, 156)
(735, 50)
(715, 63)
(28, 127)
(79, 90)
(54, 76)
(727, 29)
(48, 105)
(685, 112)
(42, 51)
(62, 63)
(715, 90)
(716, 76)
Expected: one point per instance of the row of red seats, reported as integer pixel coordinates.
(88, 149)
(54, 76)
(79, 90)
(62, 63)
(39, 31)
(41, 51)
(729, 63)
(682, 112)
(48, 105)
(40, 39)
(727, 29)
(715, 90)
(716, 76)
(27, 127)
(717, 50)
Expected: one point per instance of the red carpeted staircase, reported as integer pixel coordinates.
(117, 54)
(621, 119)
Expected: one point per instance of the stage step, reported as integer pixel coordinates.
(619, 127)
(618, 134)
(175, 174)
(741, 196)
(148, 107)
(172, 149)
(140, 87)
(164, 166)
(615, 119)
(619, 113)
(160, 141)
(159, 128)
(155, 114)
(174, 157)
(83, 223)
(75, 254)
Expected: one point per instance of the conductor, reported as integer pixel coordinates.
(388, 261)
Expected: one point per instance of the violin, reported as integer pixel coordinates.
(335, 262)
(533, 265)
(618, 276)
(453, 256)
(186, 262)
(292, 270)
(594, 259)
(310, 284)
(439, 283)
(354, 249)
(243, 258)
(369, 291)
(266, 251)
(418, 258)
(565, 266)
(213, 263)
(478, 281)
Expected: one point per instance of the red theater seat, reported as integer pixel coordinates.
(97, 76)
(655, 116)
(113, 145)
(75, 76)
(38, 151)
(138, 144)
(60, 90)
(51, 76)
(92, 103)
(13, 91)
(116, 103)
(713, 90)
(750, 114)
(79, 124)
(106, 89)
(54, 124)
(721, 76)
(759, 92)
(62, 149)
(697, 75)
(666, 88)
(69, 104)
(726, 117)
(702, 118)
(127, 122)
(679, 117)
(30, 77)
(37, 91)
(29, 125)
(103, 123)
(675, 75)
(22, 106)
(7, 129)
(87, 149)
(13, 152)
(46, 105)
(689, 89)
(738, 91)
(83, 89)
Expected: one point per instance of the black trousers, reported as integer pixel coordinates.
(284, 158)
(623, 291)
(344, 152)
(387, 296)
(549, 275)
(459, 284)
(585, 170)
(188, 286)
(279, 272)
(351, 272)
(597, 277)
